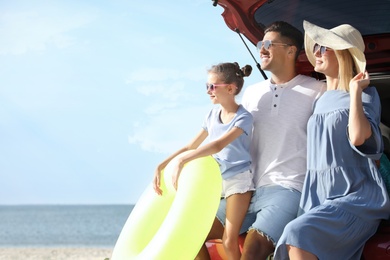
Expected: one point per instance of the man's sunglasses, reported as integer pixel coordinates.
(267, 44)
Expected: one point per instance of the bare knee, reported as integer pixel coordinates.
(257, 246)
(299, 254)
(231, 247)
(230, 244)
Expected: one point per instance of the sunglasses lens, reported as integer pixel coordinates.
(210, 87)
(323, 50)
(316, 47)
(259, 45)
(267, 44)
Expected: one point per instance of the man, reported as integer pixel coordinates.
(281, 107)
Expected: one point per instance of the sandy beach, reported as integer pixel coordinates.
(54, 253)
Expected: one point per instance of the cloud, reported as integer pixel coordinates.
(158, 107)
(165, 74)
(166, 92)
(169, 131)
(167, 89)
(37, 28)
(173, 110)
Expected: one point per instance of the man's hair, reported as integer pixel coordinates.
(288, 31)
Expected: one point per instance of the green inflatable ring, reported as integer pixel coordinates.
(176, 224)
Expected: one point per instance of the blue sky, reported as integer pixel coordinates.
(93, 94)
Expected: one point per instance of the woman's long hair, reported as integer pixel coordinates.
(347, 69)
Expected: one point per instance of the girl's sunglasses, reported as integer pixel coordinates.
(212, 87)
(322, 49)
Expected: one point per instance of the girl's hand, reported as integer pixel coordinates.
(176, 174)
(359, 82)
(156, 182)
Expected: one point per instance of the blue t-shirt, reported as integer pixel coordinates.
(235, 157)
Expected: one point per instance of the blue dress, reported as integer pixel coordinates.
(344, 197)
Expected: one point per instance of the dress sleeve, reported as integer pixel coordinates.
(373, 146)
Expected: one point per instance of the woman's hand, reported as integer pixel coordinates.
(359, 82)
(156, 181)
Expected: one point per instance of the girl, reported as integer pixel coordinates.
(229, 128)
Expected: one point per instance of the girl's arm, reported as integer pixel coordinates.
(359, 128)
(199, 138)
(205, 150)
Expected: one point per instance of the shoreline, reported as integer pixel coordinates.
(55, 253)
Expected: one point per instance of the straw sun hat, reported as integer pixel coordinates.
(341, 37)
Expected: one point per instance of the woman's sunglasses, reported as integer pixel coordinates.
(211, 87)
(322, 49)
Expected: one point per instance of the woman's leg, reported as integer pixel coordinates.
(296, 253)
(236, 209)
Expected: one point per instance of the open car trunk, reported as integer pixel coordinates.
(371, 18)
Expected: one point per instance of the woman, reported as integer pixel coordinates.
(344, 197)
(229, 128)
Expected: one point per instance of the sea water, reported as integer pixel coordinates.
(62, 225)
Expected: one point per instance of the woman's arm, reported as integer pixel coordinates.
(359, 128)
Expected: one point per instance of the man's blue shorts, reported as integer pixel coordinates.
(271, 209)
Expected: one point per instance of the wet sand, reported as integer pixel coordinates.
(54, 253)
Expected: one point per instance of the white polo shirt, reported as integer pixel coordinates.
(280, 114)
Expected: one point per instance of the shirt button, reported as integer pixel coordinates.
(274, 105)
(276, 95)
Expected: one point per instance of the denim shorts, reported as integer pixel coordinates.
(271, 209)
(239, 183)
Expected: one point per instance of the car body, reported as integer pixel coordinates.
(250, 17)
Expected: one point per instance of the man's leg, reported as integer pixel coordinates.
(256, 246)
(275, 207)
